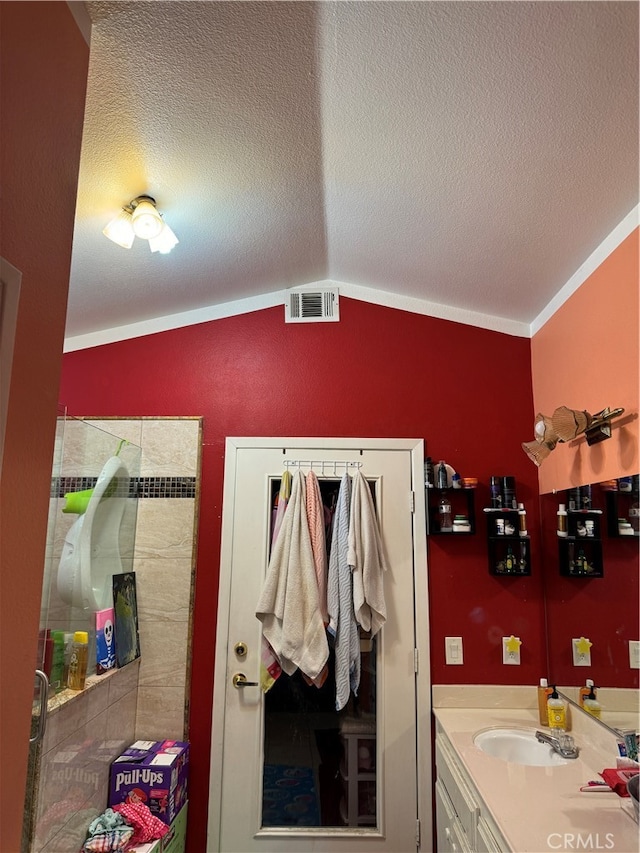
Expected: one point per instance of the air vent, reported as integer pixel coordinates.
(312, 306)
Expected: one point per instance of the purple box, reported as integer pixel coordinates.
(152, 772)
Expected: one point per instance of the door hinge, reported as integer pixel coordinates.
(412, 501)
(418, 832)
(415, 661)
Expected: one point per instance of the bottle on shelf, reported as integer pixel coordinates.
(444, 516)
(509, 493)
(562, 521)
(79, 660)
(510, 560)
(522, 517)
(442, 475)
(522, 562)
(496, 493)
(429, 481)
(56, 681)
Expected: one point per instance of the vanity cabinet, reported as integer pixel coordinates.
(463, 822)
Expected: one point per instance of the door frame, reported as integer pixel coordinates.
(415, 447)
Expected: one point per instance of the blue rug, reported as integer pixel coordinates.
(289, 796)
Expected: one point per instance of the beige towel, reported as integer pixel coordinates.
(366, 558)
(288, 606)
(315, 517)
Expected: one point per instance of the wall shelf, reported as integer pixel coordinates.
(622, 505)
(462, 503)
(509, 554)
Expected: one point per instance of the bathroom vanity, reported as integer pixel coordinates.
(463, 822)
(487, 804)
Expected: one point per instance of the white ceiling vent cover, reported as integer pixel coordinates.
(312, 306)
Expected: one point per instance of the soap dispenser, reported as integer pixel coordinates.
(591, 704)
(557, 713)
(584, 691)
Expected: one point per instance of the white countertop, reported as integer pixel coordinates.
(539, 809)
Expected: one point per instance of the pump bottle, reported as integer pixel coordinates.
(584, 691)
(557, 713)
(543, 694)
(591, 704)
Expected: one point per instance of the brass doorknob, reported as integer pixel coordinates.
(240, 680)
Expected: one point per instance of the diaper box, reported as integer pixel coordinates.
(154, 773)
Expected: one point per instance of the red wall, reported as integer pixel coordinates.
(379, 372)
(43, 72)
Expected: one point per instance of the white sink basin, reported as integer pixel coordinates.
(519, 746)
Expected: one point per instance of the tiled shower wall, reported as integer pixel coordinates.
(164, 563)
(146, 699)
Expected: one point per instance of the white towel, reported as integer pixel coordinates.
(342, 623)
(366, 558)
(288, 606)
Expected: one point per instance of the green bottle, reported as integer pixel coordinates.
(57, 663)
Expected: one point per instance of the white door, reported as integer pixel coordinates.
(363, 775)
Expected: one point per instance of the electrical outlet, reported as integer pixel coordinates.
(634, 654)
(453, 650)
(511, 650)
(581, 650)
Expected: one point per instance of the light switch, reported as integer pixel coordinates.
(511, 650)
(453, 650)
(581, 648)
(634, 654)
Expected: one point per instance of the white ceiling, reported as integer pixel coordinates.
(468, 154)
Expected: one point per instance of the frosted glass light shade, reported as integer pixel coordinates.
(147, 222)
(164, 242)
(120, 230)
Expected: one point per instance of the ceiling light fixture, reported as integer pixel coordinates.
(564, 425)
(141, 218)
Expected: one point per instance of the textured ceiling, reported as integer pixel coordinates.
(469, 154)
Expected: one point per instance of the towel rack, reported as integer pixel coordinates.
(321, 466)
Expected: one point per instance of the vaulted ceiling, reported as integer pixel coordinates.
(467, 154)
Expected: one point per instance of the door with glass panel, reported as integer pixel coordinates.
(289, 772)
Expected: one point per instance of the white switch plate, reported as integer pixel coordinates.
(634, 654)
(580, 659)
(507, 656)
(453, 650)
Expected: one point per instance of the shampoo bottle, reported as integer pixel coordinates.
(543, 694)
(68, 648)
(592, 705)
(557, 713)
(79, 659)
(57, 666)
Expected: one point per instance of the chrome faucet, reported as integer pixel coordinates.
(564, 744)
